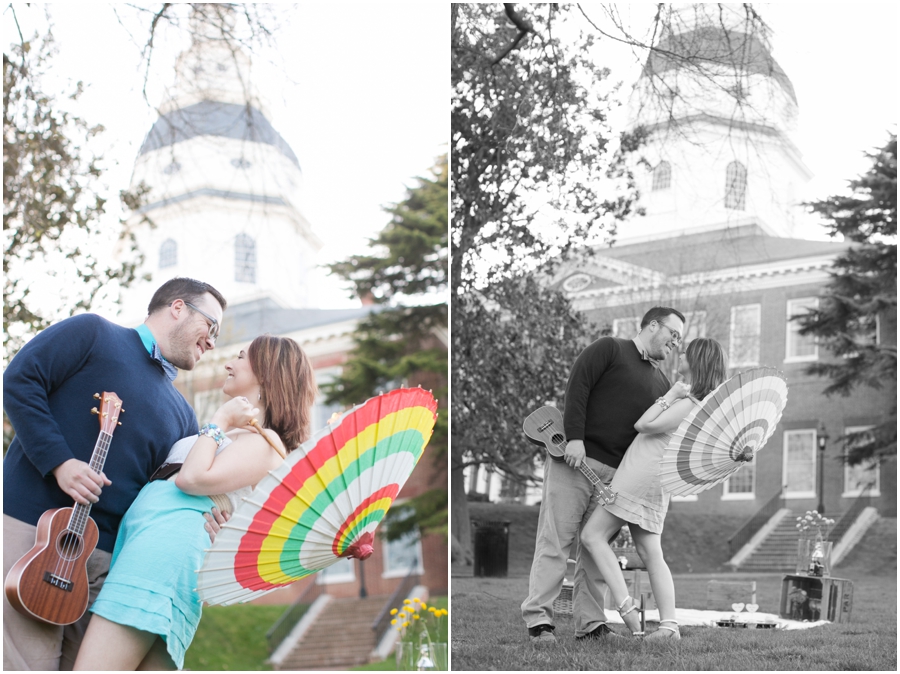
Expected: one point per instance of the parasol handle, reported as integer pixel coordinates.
(255, 424)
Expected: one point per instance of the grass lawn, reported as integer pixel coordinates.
(488, 632)
(232, 638)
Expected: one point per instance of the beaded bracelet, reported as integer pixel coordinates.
(662, 403)
(214, 432)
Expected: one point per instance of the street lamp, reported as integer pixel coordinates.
(822, 438)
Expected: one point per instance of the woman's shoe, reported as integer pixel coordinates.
(634, 623)
(669, 633)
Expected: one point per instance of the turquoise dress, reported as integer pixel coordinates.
(152, 578)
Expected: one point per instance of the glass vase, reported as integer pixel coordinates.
(405, 655)
(814, 557)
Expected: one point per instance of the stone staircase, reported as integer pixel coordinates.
(778, 552)
(340, 638)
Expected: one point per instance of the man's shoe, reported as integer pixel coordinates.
(542, 634)
(600, 631)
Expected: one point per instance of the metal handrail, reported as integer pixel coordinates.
(382, 621)
(740, 537)
(864, 500)
(283, 626)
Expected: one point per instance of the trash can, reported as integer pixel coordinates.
(491, 548)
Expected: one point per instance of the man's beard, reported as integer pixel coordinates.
(182, 355)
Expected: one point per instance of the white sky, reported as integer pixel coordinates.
(365, 97)
(359, 92)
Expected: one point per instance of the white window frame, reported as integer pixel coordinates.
(741, 495)
(632, 320)
(385, 552)
(168, 253)
(731, 339)
(735, 186)
(333, 578)
(246, 259)
(815, 458)
(876, 490)
(687, 498)
(792, 327)
(695, 322)
(662, 172)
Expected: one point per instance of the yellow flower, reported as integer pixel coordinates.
(393, 611)
(417, 599)
(401, 615)
(406, 624)
(424, 605)
(394, 622)
(415, 617)
(406, 601)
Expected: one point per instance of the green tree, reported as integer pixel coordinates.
(537, 171)
(861, 299)
(405, 342)
(51, 210)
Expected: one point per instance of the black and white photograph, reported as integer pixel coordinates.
(673, 337)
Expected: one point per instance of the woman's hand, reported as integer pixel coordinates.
(236, 413)
(678, 391)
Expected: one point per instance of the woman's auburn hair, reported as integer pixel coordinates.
(706, 358)
(287, 387)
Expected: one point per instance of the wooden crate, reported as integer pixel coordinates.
(813, 598)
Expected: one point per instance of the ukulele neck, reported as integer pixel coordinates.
(81, 513)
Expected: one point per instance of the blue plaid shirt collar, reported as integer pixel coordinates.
(643, 351)
(152, 347)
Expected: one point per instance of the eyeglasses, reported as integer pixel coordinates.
(214, 324)
(676, 336)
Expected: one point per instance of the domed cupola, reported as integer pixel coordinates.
(720, 112)
(224, 184)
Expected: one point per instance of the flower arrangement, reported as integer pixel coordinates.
(624, 539)
(812, 525)
(421, 626)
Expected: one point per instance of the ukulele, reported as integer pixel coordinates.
(49, 583)
(544, 427)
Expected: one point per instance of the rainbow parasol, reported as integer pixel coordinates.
(323, 503)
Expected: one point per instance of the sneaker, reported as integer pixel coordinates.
(542, 634)
(600, 631)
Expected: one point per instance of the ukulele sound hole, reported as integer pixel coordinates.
(69, 546)
(557, 438)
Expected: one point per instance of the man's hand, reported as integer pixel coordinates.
(574, 453)
(214, 522)
(80, 481)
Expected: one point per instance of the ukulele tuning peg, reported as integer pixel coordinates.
(121, 411)
(94, 410)
(119, 423)
(97, 396)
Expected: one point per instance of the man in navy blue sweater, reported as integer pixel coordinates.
(612, 383)
(48, 395)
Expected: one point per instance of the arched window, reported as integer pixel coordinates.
(244, 259)
(168, 254)
(735, 186)
(662, 176)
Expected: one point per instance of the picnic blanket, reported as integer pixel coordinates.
(696, 617)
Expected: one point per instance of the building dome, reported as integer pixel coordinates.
(223, 184)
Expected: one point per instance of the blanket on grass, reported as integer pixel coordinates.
(696, 617)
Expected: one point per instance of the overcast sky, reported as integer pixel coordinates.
(361, 93)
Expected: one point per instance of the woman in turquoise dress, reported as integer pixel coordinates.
(148, 610)
(640, 499)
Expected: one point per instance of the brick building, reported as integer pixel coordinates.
(726, 241)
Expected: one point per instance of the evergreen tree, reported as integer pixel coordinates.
(404, 341)
(857, 315)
